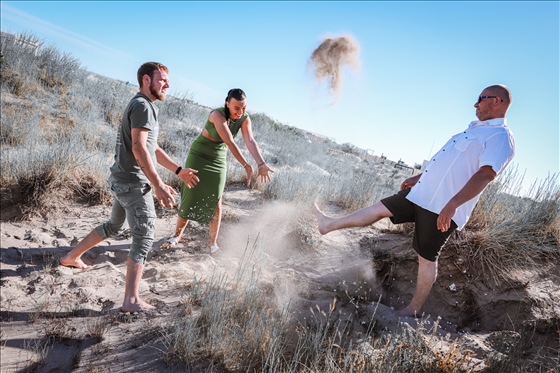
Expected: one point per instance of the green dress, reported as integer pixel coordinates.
(209, 158)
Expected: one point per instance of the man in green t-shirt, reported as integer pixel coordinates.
(133, 177)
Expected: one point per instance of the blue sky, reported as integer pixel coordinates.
(422, 64)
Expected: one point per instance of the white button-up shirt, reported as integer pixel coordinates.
(486, 143)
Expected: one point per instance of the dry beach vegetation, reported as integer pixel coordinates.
(280, 297)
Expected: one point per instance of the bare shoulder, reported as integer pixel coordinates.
(216, 117)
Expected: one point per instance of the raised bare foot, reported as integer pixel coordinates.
(136, 306)
(322, 219)
(71, 262)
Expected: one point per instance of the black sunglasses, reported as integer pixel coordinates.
(481, 97)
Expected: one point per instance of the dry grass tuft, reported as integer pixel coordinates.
(237, 324)
(98, 327)
(235, 321)
(507, 233)
(89, 190)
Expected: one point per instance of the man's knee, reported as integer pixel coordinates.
(140, 248)
(109, 229)
(380, 210)
(142, 235)
(139, 255)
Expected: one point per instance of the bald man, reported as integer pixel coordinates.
(441, 199)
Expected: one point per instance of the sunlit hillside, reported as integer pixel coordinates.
(287, 299)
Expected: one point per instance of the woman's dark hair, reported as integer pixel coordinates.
(236, 93)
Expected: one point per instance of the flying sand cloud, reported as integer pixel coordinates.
(329, 58)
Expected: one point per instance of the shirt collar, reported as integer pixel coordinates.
(140, 94)
(489, 122)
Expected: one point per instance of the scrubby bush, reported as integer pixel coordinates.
(507, 232)
(27, 64)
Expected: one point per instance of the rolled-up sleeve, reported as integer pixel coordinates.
(499, 150)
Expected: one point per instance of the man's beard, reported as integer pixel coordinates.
(156, 94)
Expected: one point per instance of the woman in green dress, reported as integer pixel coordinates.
(207, 154)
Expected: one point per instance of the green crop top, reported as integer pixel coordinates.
(234, 125)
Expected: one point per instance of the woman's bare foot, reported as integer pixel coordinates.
(136, 305)
(170, 242)
(71, 262)
(322, 220)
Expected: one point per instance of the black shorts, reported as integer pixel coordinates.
(428, 240)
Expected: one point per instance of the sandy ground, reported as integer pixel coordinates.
(368, 270)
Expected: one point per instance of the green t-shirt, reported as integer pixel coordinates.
(234, 125)
(139, 113)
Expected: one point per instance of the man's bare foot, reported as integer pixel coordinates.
(322, 219)
(136, 305)
(71, 262)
